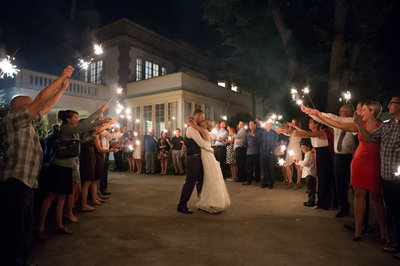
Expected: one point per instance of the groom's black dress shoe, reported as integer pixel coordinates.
(185, 210)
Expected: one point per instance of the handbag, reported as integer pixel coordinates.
(66, 148)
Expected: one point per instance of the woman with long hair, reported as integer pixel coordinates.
(62, 170)
(163, 149)
(324, 162)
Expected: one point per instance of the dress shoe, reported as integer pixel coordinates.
(356, 239)
(184, 210)
(246, 183)
(342, 214)
(105, 193)
(264, 186)
(308, 204)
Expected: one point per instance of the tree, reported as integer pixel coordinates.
(320, 43)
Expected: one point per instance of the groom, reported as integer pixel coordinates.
(194, 168)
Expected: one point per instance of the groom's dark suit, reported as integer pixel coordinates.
(194, 171)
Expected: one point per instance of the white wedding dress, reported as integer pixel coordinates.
(214, 195)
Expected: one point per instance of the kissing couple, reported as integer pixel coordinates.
(202, 169)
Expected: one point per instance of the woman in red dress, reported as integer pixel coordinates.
(365, 168)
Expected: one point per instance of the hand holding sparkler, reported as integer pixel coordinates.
(8, 69)
(358, 119)
(67, 73)
(104, 107)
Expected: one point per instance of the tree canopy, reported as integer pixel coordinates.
(332, 46)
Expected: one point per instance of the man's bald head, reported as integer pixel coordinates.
(20, 102)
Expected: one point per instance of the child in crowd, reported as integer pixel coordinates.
(308, 171)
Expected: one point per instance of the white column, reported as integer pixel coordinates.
(180, 113)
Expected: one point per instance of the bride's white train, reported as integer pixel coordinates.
(214, 195)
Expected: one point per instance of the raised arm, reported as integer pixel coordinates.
(195, 135)
(363, 131)
(351, 127)
(103, 127)
(48, 97)
(310, 134)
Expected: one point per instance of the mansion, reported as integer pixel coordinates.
(163, 81)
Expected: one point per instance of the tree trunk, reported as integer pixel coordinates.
(285, 32)
(253, 104)
(337, 61)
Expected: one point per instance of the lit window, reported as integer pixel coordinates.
(147, 117)
(155, 70)
(222, 84)
(94, 73)
(148, 70)
(163, 71)
(160, 120)
(234, 87)
(138, 69)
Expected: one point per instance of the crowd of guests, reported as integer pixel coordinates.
(350, 148)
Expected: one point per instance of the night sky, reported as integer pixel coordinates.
(40, 30)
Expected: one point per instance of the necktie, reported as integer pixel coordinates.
(340, 141)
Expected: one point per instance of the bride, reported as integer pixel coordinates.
(214, 195)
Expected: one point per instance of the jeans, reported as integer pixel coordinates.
(267, 164)
(16, 208)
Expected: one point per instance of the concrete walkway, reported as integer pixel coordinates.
(139, 225)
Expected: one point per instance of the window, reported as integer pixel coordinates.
(155, 70)
(197, 106)
(40, 81)
(160, 119)
(163, 71)
(148, 70)
(45, 82)
(188, 109)
(36, 81)
(207, 111)
(222, 84)
(139, 69)
(94, 73)
(137, 118)
(148, 118)
(234, 87)
(31, 81)
(172, 113)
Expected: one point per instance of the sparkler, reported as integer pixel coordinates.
(213, 130)
(306, 91)
(283, 148)
(224, 117)
(130, 147)
(290, 152)
(137, 120)
(84, 64)
(138, 142)
(7, 68)
(345, 96)
(98, 50)
(281, 162)
(246, 127)
(135, 134)
(398, 171)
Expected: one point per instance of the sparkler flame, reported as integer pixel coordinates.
(347, 95)
(130, 147)
(135, 134)
(98, 49)
(291, 152)
(398, 171)
(137, 120)
(119, 90)
(138, 142)
(283, 147)
(281, 162)
(224, 117)
(7, 68)
(299, 102)
(84, 64)
(306, 90)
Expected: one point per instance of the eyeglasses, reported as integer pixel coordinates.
(393, 103)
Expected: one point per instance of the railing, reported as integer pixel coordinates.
(38, 81)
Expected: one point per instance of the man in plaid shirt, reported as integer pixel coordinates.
(20, 168)
(389, 136)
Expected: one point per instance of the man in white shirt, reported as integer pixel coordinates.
(344, 144)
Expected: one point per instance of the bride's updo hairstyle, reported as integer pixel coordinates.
(210, 124)
(63, 115)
